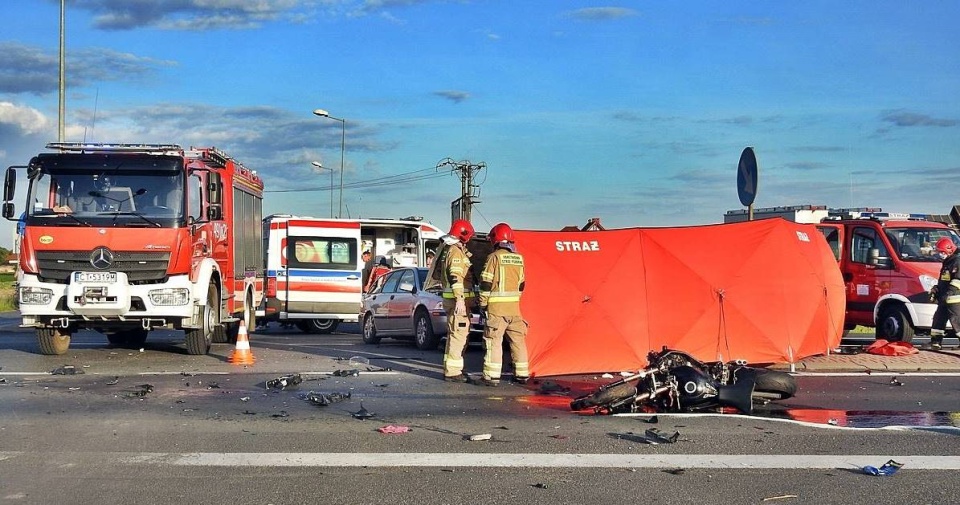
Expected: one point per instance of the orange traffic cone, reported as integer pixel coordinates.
(242, 355)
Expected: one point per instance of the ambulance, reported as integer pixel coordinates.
(314, 269)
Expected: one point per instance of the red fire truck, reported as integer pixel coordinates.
(887, 261)
(125, 238)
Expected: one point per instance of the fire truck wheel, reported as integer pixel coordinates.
(234, 328)
(423, 331)
(370, 330)
(53, 341)
(319, 325)
(893, 324)
(199, 339)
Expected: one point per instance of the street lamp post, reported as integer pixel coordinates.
(343, 136)
(320, 166)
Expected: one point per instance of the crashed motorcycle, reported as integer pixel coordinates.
(674, 381)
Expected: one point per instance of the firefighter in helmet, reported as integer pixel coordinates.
(458, 298)
(501, 285)
(946, 293)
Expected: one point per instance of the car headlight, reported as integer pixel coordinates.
(35, 296)
(437, 309)
(169, 296)
(927, 282)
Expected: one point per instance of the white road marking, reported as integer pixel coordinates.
(495, 460)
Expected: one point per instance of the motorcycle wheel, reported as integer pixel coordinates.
(605, 397)
(769, 384)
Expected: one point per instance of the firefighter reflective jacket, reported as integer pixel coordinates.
(456, 279)
(948, 286)
(501, 283)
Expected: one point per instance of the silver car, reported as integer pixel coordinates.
(402, 309)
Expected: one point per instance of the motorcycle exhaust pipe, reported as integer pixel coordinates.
(738, 396)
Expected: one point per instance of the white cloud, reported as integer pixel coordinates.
(27, 119)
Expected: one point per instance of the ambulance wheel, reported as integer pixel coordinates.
(893, 324)
(199, 339)
(605, 397)
(370, 330)
(423, 334)
(130, 339)
(53, 341)
(319, 325)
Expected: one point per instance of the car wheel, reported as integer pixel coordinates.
(370, 330)
(423, 331)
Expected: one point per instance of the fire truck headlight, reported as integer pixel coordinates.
(35, 296)
(927, 282)
(169, 296)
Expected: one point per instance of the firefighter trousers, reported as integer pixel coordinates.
(458, 331)
(945, 312)
(515, 330)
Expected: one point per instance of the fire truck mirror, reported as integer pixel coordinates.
(214, 189)
(214, 213)
(10, 185)
(8, 210)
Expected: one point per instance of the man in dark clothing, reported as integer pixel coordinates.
(367, 258)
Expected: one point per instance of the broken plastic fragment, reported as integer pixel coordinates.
(115, 380)
(324, 399)
(888, 468)
(347, 373)
(245, 399)
(390, 428)
(66, 370)
(284, 381)
(654, 436)
(363, 414)
(480, 437)
(895, 381)
(358, 362)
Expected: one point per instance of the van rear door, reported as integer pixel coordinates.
(323, 270)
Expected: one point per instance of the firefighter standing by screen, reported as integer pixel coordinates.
(458, 298)
(946, 293)
(501, 285)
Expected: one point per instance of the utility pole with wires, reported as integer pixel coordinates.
(462, 208)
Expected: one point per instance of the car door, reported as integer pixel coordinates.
(403, 301)
(380, 302)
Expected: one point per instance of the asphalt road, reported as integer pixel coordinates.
(160, 426)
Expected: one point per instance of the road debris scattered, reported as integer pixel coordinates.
(781, 497)
(480, 437)
(139, 391)
(392, 429)
(363, 414)
(324, 399)
(114, 381)
(888, 468)
(347, 373)
(66, 370)
(675, 471)
(284, 381)
(895, 381)
(282, 413)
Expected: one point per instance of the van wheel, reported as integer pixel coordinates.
(423, 332)
(319, 325)
(370, 330)
(199, 339)
(53, 341)
(893, 324)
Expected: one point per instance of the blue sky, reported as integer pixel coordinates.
(633, 112)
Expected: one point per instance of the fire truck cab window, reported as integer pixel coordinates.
(194, 202)
(868, 248)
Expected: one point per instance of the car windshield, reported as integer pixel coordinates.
(918, 243)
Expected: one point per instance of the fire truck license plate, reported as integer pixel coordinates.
(107, 277)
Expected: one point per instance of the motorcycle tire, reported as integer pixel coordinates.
(769, 384)
(605, 397)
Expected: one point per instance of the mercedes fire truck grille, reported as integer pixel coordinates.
(140, 267)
